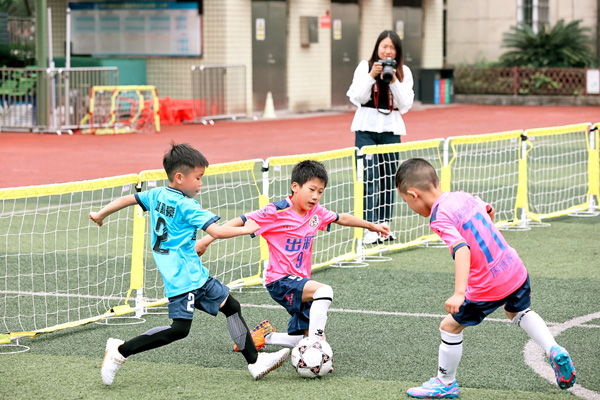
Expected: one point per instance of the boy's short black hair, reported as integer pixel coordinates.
(182, 158)
(306, 170)
(416, 173)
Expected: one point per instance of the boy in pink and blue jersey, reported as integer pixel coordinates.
(289, 226)
(489, 274)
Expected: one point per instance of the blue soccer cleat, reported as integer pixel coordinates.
(563, 367)
(434, 389)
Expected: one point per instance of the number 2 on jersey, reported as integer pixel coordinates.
(470, 225)
(161, 226)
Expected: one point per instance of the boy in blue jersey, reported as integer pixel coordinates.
(176, 217)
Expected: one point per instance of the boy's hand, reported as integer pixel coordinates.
(382, 230)
(251, 225)
(201, 246)
(454, 303)
(94, 217)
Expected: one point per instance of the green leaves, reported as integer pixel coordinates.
(564, 45)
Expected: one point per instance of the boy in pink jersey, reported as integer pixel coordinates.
(489, 274)
(289, 227)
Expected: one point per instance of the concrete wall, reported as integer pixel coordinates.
(308, 67)
(375, 17)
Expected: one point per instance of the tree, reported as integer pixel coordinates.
(17, 8)
(559, 46)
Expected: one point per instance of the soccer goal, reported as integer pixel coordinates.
(59, 270)
(122, 109)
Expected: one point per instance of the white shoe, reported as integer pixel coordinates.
(391, 236)
(112, 360)
(267, 362)
(370, 237)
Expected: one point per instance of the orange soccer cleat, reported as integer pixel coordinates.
(259, 333)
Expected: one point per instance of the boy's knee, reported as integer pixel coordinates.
(231, 306)
(449, 325)
(517, 317)
(179, 329)
(325, 292)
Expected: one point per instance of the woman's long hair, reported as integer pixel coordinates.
(399, 56)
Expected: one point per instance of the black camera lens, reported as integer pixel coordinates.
(389, 64)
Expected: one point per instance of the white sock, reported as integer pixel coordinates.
(318, 311)
(536, 328)
(449, 356)
(283, 339)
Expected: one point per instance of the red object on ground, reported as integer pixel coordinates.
(36, 159)
(175, 111)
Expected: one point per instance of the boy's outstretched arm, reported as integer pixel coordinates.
(229, 229)
(351, 220)
(112, 207)
(462, 265)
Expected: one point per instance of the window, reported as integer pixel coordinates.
(533, 13)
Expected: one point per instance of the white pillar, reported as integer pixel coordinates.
(433, 34)
(375, 17)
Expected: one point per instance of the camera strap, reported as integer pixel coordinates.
(390, 98)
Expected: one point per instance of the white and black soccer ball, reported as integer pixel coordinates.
(312, 358)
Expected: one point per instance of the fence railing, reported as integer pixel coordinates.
(59, 270)
(219, 91)
(520, 81)
(49, 100)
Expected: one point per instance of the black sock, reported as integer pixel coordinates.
(156, 337)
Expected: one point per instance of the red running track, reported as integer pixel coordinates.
(34, 159)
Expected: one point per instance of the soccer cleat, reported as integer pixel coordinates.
(370, 237)
(259, 332)
(391, 236)
(112, 360)
(267, 362)
(434, 389)
(563, 367)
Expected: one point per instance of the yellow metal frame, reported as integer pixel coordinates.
(115, 90)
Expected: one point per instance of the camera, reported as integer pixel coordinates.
(389, 65)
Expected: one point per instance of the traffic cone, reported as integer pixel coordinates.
(269, 108)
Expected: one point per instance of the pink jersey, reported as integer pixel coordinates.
(461, 219)
(290, 237)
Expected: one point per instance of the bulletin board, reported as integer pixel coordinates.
(145, 28)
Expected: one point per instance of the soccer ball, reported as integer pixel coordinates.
(312, 358)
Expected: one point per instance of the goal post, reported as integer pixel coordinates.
(488, 166)
(562, 167)
(59, 269)
(409, 228)
(122, 109)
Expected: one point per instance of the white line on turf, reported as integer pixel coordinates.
(536, 358)
(402, 314)
(534, 355)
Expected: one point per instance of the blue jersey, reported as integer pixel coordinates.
(175, 220)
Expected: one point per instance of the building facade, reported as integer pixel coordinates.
(304, 51)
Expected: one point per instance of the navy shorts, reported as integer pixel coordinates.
(208, 299)
(471, 313)
(287, 291)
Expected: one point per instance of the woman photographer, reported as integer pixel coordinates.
(382, 89)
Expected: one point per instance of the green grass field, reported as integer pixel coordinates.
(383, 328)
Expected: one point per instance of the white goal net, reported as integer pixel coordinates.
(56, 266)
